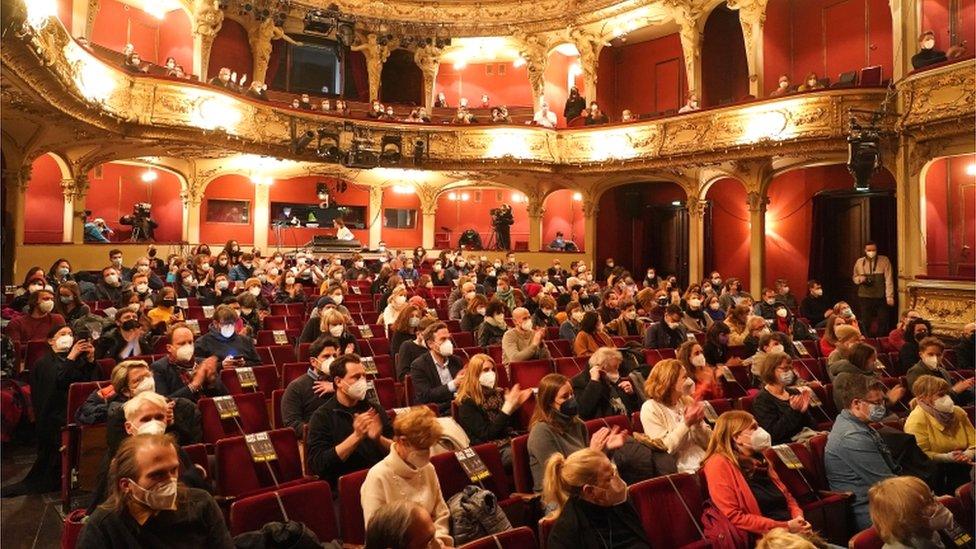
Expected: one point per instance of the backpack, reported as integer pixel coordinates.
(720, 531)
(475, 513)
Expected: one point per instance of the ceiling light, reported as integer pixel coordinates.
(971, 169)
(519, 62)
(568, 49)
(577, 196)
(149, 176)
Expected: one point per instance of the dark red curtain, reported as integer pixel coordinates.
(231, 49)
(357, 77)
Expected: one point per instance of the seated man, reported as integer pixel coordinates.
(930, 352)
(147, 507)
(111, 287)
(559, 244)
(437, 374)
(856, 456)
(523, 342)
(305, 394)
(767, 307)
(222, 341)
(927, 54)
(670, 333)
(177, 374)
(347, 433)
(127, 340)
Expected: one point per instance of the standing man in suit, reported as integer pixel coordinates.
(437, 374)
(875, 290)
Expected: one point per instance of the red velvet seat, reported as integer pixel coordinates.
(276, 397)
(198, 455)
(559, 348)
(282, 354)
(253, 417)
(866, 539)
(594, 425)
(529, 373)
(379, 346)
(520, 464)
(385, 366)
(569, 366)
(545, 527)
(291, 371)
(309, 503)
(265, 354)
(453, 479)
(275, 322)
(351, 509)
(495, 352)
(745, 403)
(666, 521)
(521, 537)
(303, 351)
(408, 392)
(810, 369)
(266, 338)
(386, 392)
(238, 474)
(266, 377)
(463, 339)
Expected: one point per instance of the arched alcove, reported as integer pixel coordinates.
(949, 207)
(230, 49)
(44, 202)
(564, 213)
(725, 71)
(470, 208)
(727, 230)
(115, 188)
(401, 80)
(118, 23)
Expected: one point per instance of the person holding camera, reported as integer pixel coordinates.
(875, 290)
(141, 221)
(502, 220)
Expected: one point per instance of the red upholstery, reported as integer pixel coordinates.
(293, 370)
(276, 396)
(529, 373)
(266, 376)
(351, 508)
(266, 337)
(385, 366)
(812, 346)
(379, 346)
(965, 496)
(520, 464)
(78, 393)
(545, 526)
(665, 520)
(745, 403)
(962, 514)
(276, 321)
(409, 393)
(105, 365)
(521, 537)
(495, 352)
(265, 354)
(635, 423)
(253, 417)
(198, 455)
(463, 339)
(569, 366)
(309, 503)
(386, 392)
(453, 479)
(238, 474)
(871, 76)
(594, 425)
(866, 539)
(34, 351)
(810, 369)
(282, 354)
(559, 348)
(818, 446)
(303, 351)
(721, 405)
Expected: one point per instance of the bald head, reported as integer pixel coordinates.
(520, 314)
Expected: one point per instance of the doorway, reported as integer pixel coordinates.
(666, 235)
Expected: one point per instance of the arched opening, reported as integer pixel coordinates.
(649, 227)
(725, 71)
(227, 210)
(296, 199)
(154, 36)
(564, 214)
(401, 80)
(44, 202)
(949, 207)
(728, 216)
(115, 188)
(469, 208)
(230, 49)
(562, 73)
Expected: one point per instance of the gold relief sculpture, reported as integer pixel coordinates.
(939, 94)
(948, 305)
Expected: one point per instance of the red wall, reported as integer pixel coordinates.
(646, 77)
(64, 13)
(117, 24)
(402, 238)
(562, 213)
(475, 215)
(230, 187)
(44, 203)
(511, 88)
(949, 215)
(120, 188)
(556, 79)
(936, 16)
(230, 49)
(827, 37)
(730, 230)
(301, 190)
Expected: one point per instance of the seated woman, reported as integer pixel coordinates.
(289, 290)
(545, 313)
(66, 361)
(708, 385)
(555, 428)
(165, 312)
(864, 361)
(589, 503)
(829, 340)
(742, 486)
(716, 347)
(491, 331)
(333, 323)
(670, 415)
(571, 326)
(129, 378)
(485, 411)
(591, 336)
(943, 431)
(406, 473)
(626, 324)
(474, 313)
(768, 343)
(404, 328)
(395, 303)
(782, 408)
(604, 390)
(907, 515)
(425, 288)
(696, 320)
(738, 323)
(713, 308)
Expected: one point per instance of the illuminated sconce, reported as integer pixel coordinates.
(216, 112)
(460, 64)
(149, 176)
(519, 62)
(403, 189)
(94, 80)
(39, 11)
(519, 197)
(577, 196)
(971, 170)
(261, 179)
(465, 197)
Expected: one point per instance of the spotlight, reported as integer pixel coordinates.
(299, 143)
(391, 149)
(419, 151)
(864, 153)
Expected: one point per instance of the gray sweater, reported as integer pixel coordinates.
(544, 441)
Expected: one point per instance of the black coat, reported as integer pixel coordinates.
(573, 528)
(594, 397)
(427, 385)
(660, 336)
(475, 422)
(406, 354)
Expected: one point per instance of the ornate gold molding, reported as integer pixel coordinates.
(949, 305)
(938, 102)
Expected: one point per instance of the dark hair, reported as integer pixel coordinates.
(52, 272)
(849, 387)
(494, 307)
(590, 321)
(30, 276)
(430, 331)
(673, 309)
(338, 368)
(323, 341)
(910, 330)
(55, 329)
(114, 251)
(931, 342)
(813, 282)
(860, 354)
(75, 290)
(766, 338)
(714, 331)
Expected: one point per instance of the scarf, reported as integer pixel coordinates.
(493, 401)
(506, 297)
(946, 419)
(500, 325)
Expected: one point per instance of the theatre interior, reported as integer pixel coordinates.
(488, 273)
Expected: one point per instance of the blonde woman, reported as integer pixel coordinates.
(906, 514)
(672, 416)
(943, 431)
(395, 304)
(738, 323)
(485, 411)
(781, 538)
(332, 322)
(741, 485)
(589, 503)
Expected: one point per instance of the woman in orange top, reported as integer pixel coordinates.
(591, 336)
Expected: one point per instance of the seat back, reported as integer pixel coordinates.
(266, 377)
(529, 373)
(276, 397)
(568, 366)
(453, 479)
(520, 464)
(463, 339)
(521, 537)
(386, 392)
(78, 393)
(351, 521)
(871, 76)
(666, 521)
(818, 446)
(292, 371)
(866, 539)
(545, 527)
(309, 503)
(282, 354)
(800, 482)
(610, 422)
(253, 417)
(238, 473)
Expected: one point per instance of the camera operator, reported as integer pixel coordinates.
(143, 225)
(502, 220)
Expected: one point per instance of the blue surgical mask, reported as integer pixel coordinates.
(877, 412)
(227, 330)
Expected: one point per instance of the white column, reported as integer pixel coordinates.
(68, 211)
(757, 241)
(375, 213)
(262, 216)
(696, 238)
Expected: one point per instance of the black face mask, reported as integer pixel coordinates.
(169, 302)
(569, 407)
(919, 336)
(130, 324)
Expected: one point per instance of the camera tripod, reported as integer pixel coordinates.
(492, 240)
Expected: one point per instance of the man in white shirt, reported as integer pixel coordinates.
(544, 117)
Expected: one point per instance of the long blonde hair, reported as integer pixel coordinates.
(727, 426)
(124, 465)
(896, 505)
(566, 475)
(471, 385)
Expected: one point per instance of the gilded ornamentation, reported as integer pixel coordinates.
(589, 47)
(261, 35)
(948, 305)
(376, 54)
(943, 94)
(535, 50)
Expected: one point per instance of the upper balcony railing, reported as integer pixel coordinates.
(79, 83)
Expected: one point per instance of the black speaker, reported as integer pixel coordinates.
(631, 202)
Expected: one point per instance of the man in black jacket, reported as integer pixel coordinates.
(814, 306)
(604, 390)
(575, 105)
(177, 376)
(127, 340)
(348, 433)
(437, 375)
(670, 333)
(306, 394)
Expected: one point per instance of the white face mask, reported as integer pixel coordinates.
(446, 349)
(337, 299)
(142, 288)
(325, 364)
(760, 440)
(944, 404)
(400, 299)
(222, 284)
(698, 361)
(928, 44)
(480, 311)
(63, 343)
(184, 353)
(46, 306)
(255, 291)
(786, 378)
(161, 497)
(152, 427)
(689, 386)
(714, 306)
(357, 391)
(694, 303)
(227, 330)
(112, 280)
(613, 377)
(487, 378)
(931, 361)
(781, 313)
(148, 383)
(871, 254)
(526, 325)
(336, 330)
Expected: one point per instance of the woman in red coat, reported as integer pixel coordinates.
(740, 483)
